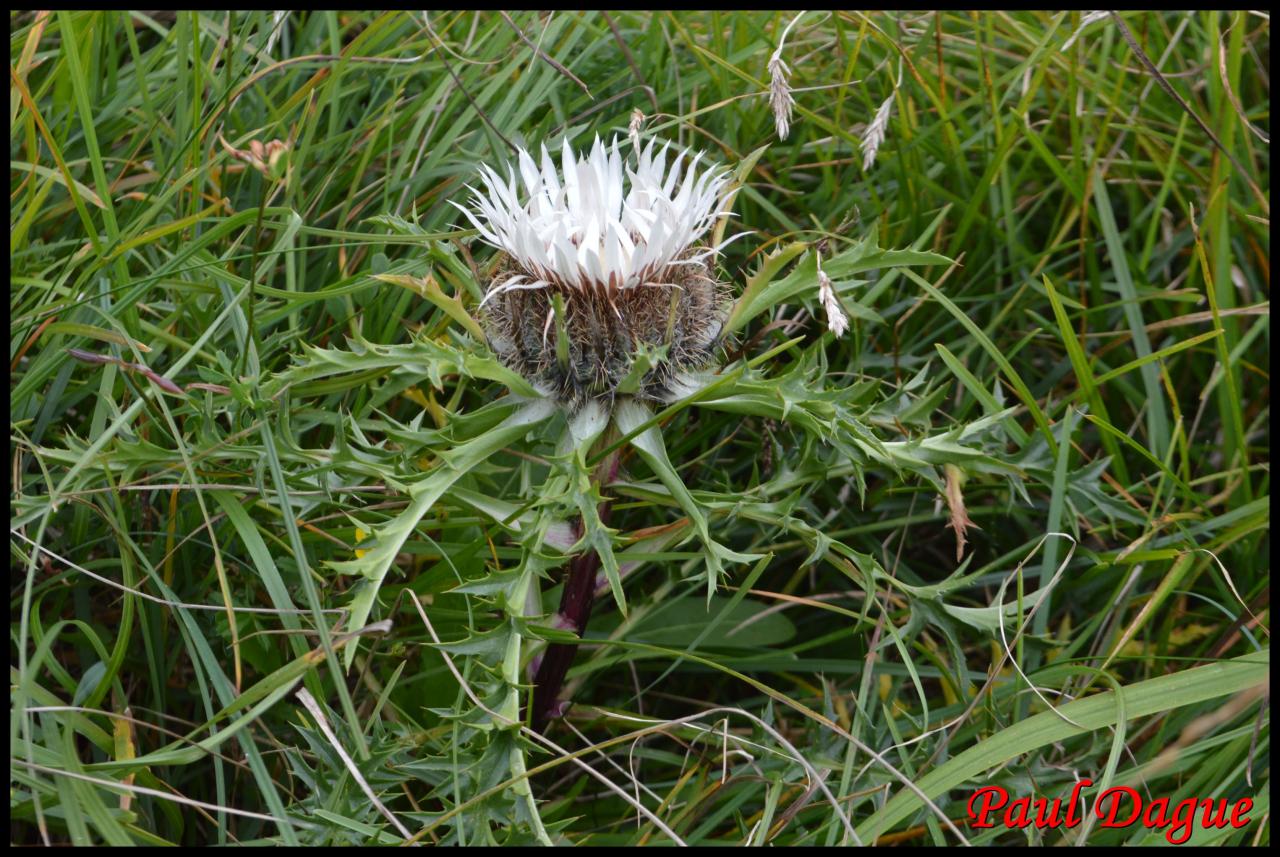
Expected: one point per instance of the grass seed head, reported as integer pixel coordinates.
(837, 321)
(780, 98)
(874, 136)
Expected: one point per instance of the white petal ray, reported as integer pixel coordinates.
(597, 222)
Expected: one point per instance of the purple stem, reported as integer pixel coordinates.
(575, 611)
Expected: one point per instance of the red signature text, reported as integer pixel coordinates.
(1118, 806)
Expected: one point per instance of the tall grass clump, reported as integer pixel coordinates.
(937, 456)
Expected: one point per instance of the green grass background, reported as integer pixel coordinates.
(1111, 284)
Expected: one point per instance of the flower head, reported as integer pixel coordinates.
(601, 261)
(586, 226)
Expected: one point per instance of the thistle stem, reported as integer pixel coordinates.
(575, 611)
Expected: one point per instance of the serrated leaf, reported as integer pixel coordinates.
(630, 415)
(558, 535)
(375, 564)
(362, 361)
(428, 288)
(755, 298)
(491, 644)
(995, 616)
(766, 289)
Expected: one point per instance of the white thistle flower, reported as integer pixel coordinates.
(837, 321)
(873, 137)
(586, 226)
(602, 262)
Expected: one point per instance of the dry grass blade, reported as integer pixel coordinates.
(542, 55)
(1231, 93)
